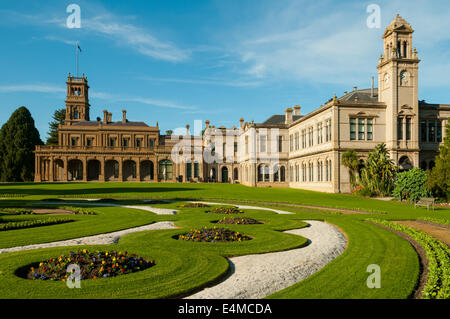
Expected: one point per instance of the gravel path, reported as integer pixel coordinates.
(102, 239)
(250, 207)
(258, 276)
(158, 211)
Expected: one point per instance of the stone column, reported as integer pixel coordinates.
(155, 170)
(138, 170)
(65, 169)
(101, 177)
(37, 169)
(52, 170)
(444, 128)
(120, 170)
(85, 169)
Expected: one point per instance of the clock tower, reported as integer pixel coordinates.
(398, 88)
(77, 100)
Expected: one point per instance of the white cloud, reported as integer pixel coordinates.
(142, 100)
(41, 88)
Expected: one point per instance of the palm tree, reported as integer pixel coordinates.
(379, 172)
(351, 161)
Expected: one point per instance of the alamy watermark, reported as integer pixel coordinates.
(374, 279)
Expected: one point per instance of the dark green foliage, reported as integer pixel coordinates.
(351, 161)
(410, 185)
(18, 138)
(32, 223)
(378, 173)
(58, 118)
(439, 179)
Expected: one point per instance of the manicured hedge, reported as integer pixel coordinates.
(33, 223)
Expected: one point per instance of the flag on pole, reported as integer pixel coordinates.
(78, 47)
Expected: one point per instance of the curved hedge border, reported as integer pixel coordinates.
(33, 223)
(438, 255)
(435, 220)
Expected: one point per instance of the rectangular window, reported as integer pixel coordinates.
(311, 136)
(138, 142)
(297, 172)
(291, 142)
(408, 128)
(188, 170)
(431, 131)
(361, 129)
(196, 170)
(280, 143)
(423, 131)
(112, 142)
(438, 131)
(262, 143)
(369, 129)
(151, 143)
(329, 130)
(125, 142)
(400, 128)
(89, 142)
(74, 141)
(235, 147)
(297, 141)
(352, 129)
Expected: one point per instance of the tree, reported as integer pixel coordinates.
(439, 178)
(169, 132)
(351, 161)
(410, 185)
(58, 118)
(379, 171)
(18, 137)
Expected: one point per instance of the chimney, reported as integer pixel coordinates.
(187, 129)
(105, 116)
(109, 117)
(372, 89)
(207, 124)
(297, 110)
(124, 116)
(355, 88)
(241, 123)
(288, 117)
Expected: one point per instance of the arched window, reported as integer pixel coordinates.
(165, 170)
(423, 165)
(76, 115)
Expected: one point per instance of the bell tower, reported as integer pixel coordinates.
(77, 100)
(398, 88)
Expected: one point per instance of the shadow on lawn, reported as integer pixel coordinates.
(94, 190)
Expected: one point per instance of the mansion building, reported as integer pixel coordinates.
(286, 150)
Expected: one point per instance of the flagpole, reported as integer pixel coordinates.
(76, 49)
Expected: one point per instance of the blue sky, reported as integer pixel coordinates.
(177, 61)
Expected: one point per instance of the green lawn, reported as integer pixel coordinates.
(183, 267)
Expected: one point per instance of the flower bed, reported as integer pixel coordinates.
(438, 255)
(194, 205)
(17, 211)
(92, 265)
(238, 220)
(213, 235)
(226, 210)
(32, 223)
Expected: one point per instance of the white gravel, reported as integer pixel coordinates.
(250, 207)
(258, 276)
(155, 210)
(102, 239)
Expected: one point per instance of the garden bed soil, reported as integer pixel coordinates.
(440, 232)
(52, 211)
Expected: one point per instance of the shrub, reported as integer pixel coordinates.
(194, 205)
(410, 185)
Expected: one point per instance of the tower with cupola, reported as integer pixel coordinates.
(77, 100)
(398, 88)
